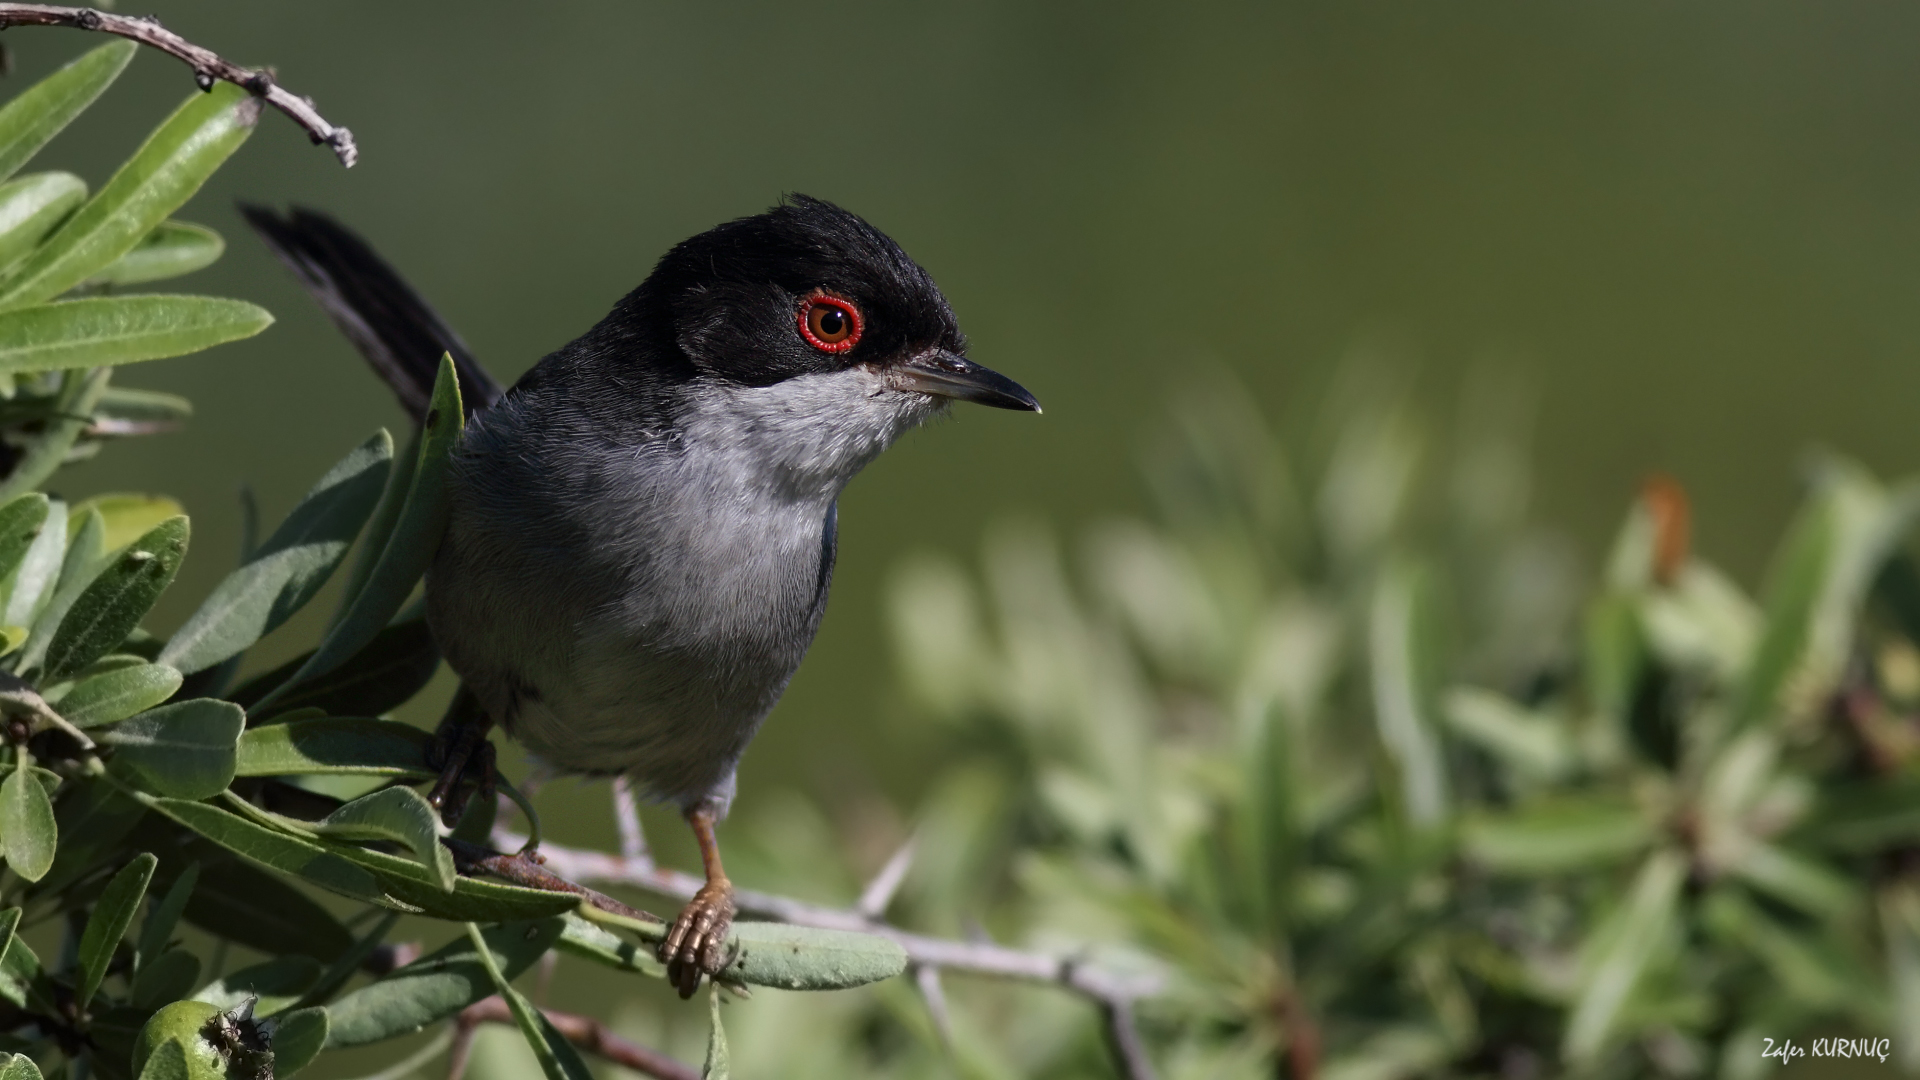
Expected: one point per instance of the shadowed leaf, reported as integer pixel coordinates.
(437, 985)
(112, 914)
(335, 744)
(184, 750)
(173, 248)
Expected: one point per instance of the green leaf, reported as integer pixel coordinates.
(86, 552)
(805, 958)
(164, 173)
(112, 696)
(166, 977)
(395, 666)
(94, 822)
(251, 907)
(1799, 881)
(437, 985)
(290, 567)
(298, 1038)
(98, 331)
(9, 922)
(1534, 746)
(164, 916)
(184, 750)
(1621, 950)
(20, 523)
(46, 452)
(1900, 929)
(277, 984)
(718, 1065)
(113, 605)
(398, 815)
(18, 1067)
(1557, 838)
(335, 744)
(416, 536)
(1798, 575)
(28, 835)
(30, 207)
(21, 980)
(128, 516)
(591, 942)
(275, 850)
(171, 249)
(1398, 651)
(556, 1056)
(40, 565)
(149, 407)
(112, 914)
(30, 120)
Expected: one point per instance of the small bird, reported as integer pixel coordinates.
(643, 528)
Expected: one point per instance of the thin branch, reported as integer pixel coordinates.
(879, 892)
(1124, 1040)
(207, 66)
(980, 958)
(626, 815)
(586, 1033)
(926, 978)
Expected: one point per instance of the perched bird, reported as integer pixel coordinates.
(643, 528)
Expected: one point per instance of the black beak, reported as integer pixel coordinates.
(946, 375)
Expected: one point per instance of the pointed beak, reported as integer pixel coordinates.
(944, 374)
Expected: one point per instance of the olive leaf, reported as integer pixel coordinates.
(112, 914)
(184, 750)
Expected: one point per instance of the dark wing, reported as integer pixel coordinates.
(398, 333)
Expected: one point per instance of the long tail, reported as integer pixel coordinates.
(396, 330)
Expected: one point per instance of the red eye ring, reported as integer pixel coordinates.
(829, 323)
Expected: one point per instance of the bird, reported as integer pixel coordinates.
(642, 529)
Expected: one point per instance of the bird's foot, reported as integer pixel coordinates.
(466, 762)
(696, 945)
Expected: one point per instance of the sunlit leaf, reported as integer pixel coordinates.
(39, 112)
(290, 567)
(415, 538)
(1556, 838)
(1399, 648)
(718, 1065)
(112, 696)
(127, 516)
(184, 750)
(171, 249)
(30, 207)
(397, 815)
(112, 914)
(437, 985)
(86, 552)
(28, 834)
(40, 565)
(1621, 952)
(164, 173)
(805, 958)
(97, 331)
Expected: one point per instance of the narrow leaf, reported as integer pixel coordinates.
(398, 815)
(128, 517)
(290, 567)
(397, 664)
(718, 1065)
(556, 1056)
(46, 452)
(805, 958)
(112, 696)
(591, 942)
(171, 249)
(1400, 699)
(164, 978)
(113, 605)
(275, 985)
(164, 916)
(274, 850)
(112, 914)
(298, 1038)
(1557, 838)
(28, 835)
(437, 985)
(1797, 577)
(34, 117)
(184, 750)
(1627, 946)
(416, 536)
(86, 554)
(20, 524)
(164, 173)
(40, 566)
(29, 209)
(335, 744)
(98, 331)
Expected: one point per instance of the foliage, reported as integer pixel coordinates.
(1339, 746)
(136, 777)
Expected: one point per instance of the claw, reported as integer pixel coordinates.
(463, 755)
(696, 944)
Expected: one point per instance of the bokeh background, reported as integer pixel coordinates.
(1693, 232)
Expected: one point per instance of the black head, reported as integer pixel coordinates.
(807, 288)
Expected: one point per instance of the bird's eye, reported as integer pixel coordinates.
(829, 323)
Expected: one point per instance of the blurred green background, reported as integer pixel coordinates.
(1690, 230)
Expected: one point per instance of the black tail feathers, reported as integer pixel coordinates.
(398, 333)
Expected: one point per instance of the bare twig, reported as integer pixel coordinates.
(879, 892)
(1114, 992)
(584, 1032)
(207, 66)
(626, 815)
(926, 978)
(1124, 1040)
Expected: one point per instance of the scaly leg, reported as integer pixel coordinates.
(463, 755)
(697, 943)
